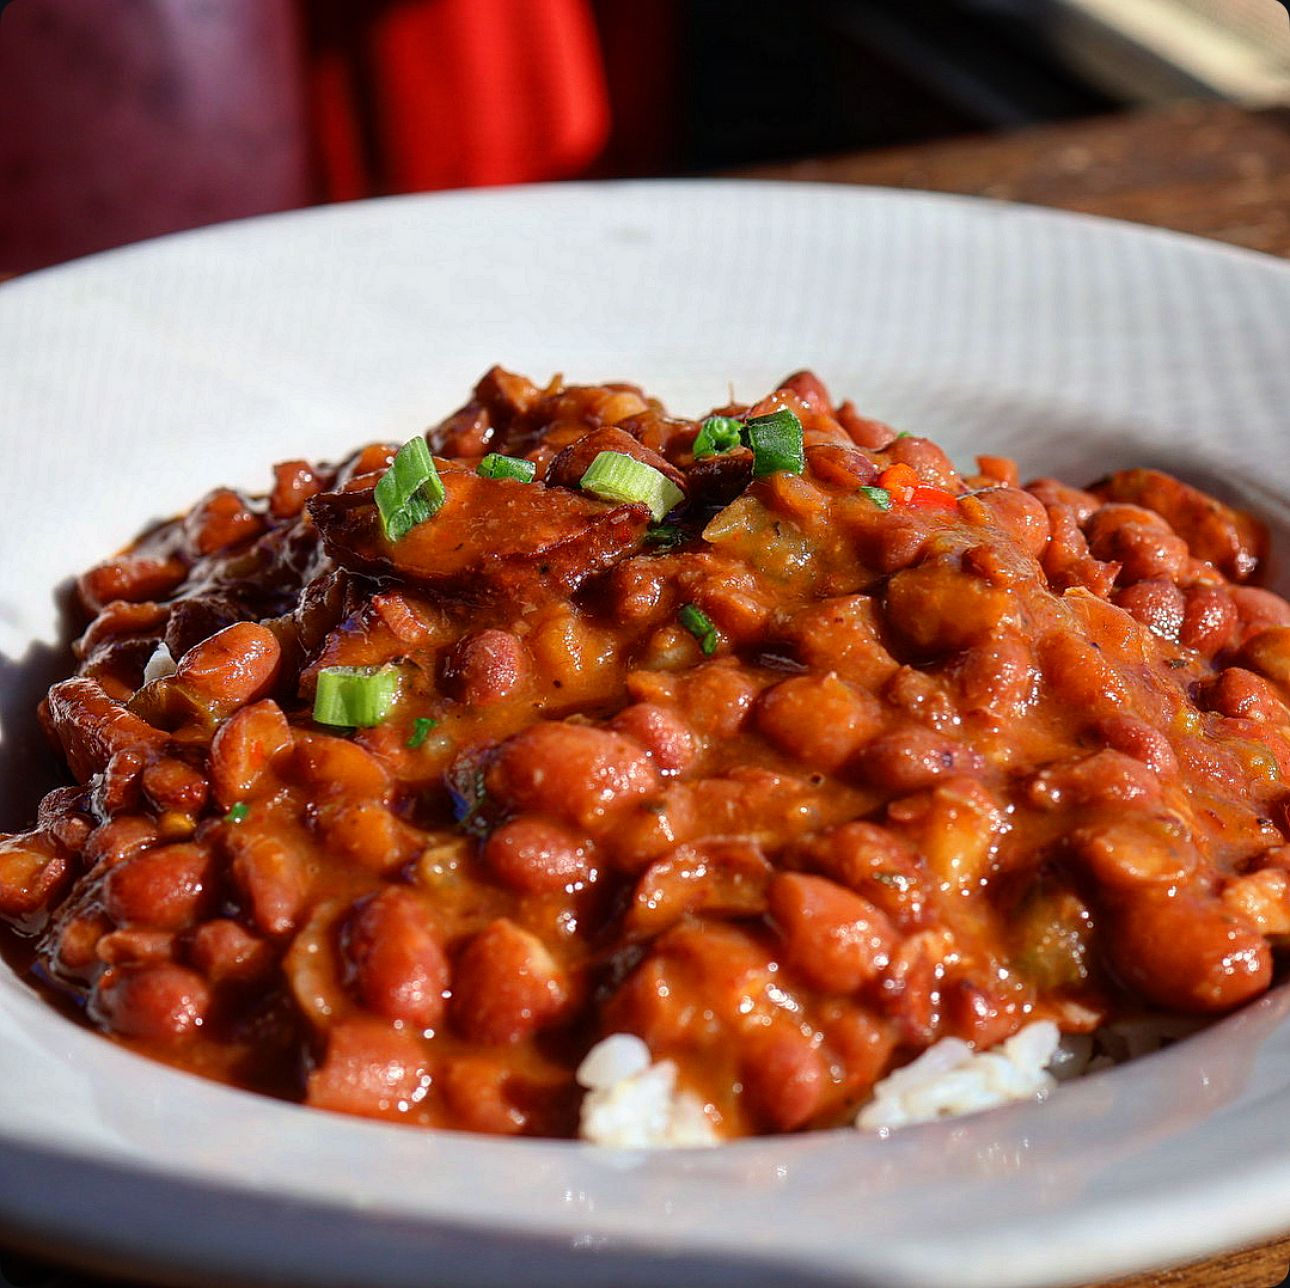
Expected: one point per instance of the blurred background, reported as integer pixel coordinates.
(122, 119)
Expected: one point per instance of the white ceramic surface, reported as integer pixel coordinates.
(132, 381)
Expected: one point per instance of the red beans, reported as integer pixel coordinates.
(998, 676)
(371, 1069)
(819, 719)
(1158, 604)
(34, 870)
(1138, 540)
(911, 758)
(662, 731)
(1241, 694)
(171, 784)
(219, 520)
(294, 482)
(369, 835)
(1140, 740)
(156, 1002)
(400, 969)
(940, 609)
(225, 951)
(161, 887)
(506, 985)
(487, 667)
(784, 1078)
(1189, 954)
(534, 855)
(244, 748)
(273, 880)
(1022, 516)
(833, 939)
(574, 772)
(92, 728)
(1209, 620)
(133, 578)
(233, 667)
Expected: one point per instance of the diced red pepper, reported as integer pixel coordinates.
(905, 487)
(933, 498)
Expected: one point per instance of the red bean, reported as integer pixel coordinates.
(1079, 503)
(1257, 609)
(717, 877)
(135, 945)
(998, 676)
(1017, 513)
(810, 391)
(1138, 540)
(371, 1069)
(1268, 653)
(157, 1002)
(1188, 954)
(273, 879)
(911, 758)
(784, 1078)
(1240, 694)
(487, 667)
(1158, 604)
(400, 969)
(1107, 777)
(536, 855)
(173, 785)
(662, 731)
(369, 835)
(223, 951)
(574, 772)
(233, 667)
(115, 841)
(1140, 740)
(862, 431)
(34, 871)
(244, 748)
(506, 986)
(132, 578)
(819, 719)
(161, 888)
(1209, 620)
(338, 767)
(939, 608)
(841, 466)
(294, 482)
(832, 938)
(116, 789)
(221, 519)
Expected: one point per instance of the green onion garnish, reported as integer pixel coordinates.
(776, 441)
(237, 812)
(355, 696)
(878, 495)
(665, 535)
(497, 466)
(410, 491)
(718, 435)
(615, 476)
(701, 626)
(421, 728)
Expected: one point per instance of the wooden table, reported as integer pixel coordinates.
(1209, 169)
(1206, 168)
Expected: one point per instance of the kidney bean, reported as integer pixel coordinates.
(922, 696)
(233, 667)
(1080, 677)
(662, 731)
(1260, 899)
(221, 519)
(569, 465)
(35, 870)
(1051, 493)
(955, 827)
(132, 578)
(91, 727)
(940, 609)
(1107, 777)
(161, 888)
(862, 431)
(225, 951)
(294, 482)
(843, 635)
(719, 697)
(997, 676)
(477, 1090)
(911, 985)
(371, 1069)
(1140, 740)
(118, 618)
(273, 880)
(506, 985)
(536, 855)
(486, 667)
(1067, 561)
(874, 862)
(1158, 604)
(76, 939)
(1240, 694)
(809, 390)
(1256, 610)
(726, 878)
(137, 944)
(1001, 469)
(155, 1001)
(61, 814)
(840, 466)
(366, 833)
(832, 938)
(1137, 851)
(170, 784)
(1189, 954)
(819, 720)
(116, 789)
(574, 772)
(338, 767)
(1209, 622)
(1268, 653)
(860, 1043)
(1138, 540)
(911, 758)
(784, 1078)
(116, 840)
(400, 969)
(1020, 515)
(924, 456)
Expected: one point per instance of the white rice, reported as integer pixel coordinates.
(951, 1079)
(632, 1101)
(160, 664)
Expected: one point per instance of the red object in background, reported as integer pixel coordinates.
(121, 119)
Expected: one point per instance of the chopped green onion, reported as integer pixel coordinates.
(718, 435)
(237, 812)
(410, 491)
(615, 476)
(421, 728)
(665, 535)
(355, 696)
(879, 496)
(701, 626)
(776, 441)
(904, 433)
(497, 466)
